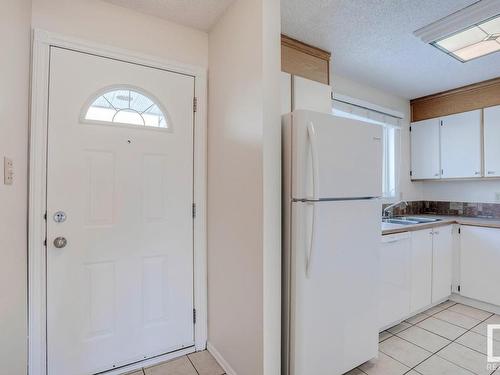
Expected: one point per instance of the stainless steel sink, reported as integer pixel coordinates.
(400, 221)
(409, 220)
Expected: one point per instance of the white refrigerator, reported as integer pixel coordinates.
(332, 170)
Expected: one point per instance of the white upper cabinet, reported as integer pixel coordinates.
(311, 95)
(461, 145)
(491, 141)
(286, 93)
(425, 150)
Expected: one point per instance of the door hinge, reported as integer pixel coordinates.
(194, 316)
(194, 210)
(195, 104)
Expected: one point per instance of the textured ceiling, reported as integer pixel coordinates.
(200, 14)
(372, 42)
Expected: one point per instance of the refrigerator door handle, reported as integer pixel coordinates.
(313, 240)
(311, 132)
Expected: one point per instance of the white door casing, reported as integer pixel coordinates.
(92, 153)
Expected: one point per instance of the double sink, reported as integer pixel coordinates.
(409, 220)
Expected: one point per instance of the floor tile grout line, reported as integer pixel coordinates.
(451, 342)
(194, 366)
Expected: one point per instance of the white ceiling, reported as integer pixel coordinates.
(372, 42)
(199, 14)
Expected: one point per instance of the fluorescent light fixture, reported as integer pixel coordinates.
(473, 42)
(470, 33)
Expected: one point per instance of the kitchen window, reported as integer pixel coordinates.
(390, 121)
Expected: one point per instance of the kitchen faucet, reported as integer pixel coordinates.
(388, 211)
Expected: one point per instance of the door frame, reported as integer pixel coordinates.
(42, 42)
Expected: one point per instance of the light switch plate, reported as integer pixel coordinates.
(8, 171)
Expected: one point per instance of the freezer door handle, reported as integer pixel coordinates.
(310, 249)
(311, 132)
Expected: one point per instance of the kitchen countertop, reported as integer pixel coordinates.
(388, 228)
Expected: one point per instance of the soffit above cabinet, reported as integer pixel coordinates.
(468, 98)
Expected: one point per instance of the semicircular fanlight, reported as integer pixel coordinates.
(126, 106)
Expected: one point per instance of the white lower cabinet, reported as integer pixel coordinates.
(442, 262)
(421, 269)
(415, 272)
(479, 264)
(395, 268)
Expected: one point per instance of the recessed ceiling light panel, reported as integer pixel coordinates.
(478, 40)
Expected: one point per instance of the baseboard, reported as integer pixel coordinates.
(219, 358)
(494, 309)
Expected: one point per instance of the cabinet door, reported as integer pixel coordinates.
(479, 262)
(286, 93)
(461, 145)
(491, 137)
(394, 276)
(442, 260)
(425, 150)
(421, 269)
(311, 95)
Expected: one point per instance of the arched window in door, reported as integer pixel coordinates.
(125, 106)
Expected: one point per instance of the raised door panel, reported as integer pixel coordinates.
(491, 137)
(461, 145)
(421, 269)
(394, 276)
(425, 156)
(479, 260)
(442, 261)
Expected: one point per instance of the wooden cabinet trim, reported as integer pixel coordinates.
(463, 99)
(301, 59)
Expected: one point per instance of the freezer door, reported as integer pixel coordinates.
(335, 157)
(333, 304)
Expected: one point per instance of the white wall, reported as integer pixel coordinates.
(272, 187)
(15, 18)
(409, 190)
(243, 169)
(98, 21)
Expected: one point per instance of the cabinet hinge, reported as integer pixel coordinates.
(195, 104)
(459, 231)
(410, 129)
(441, 122)
(45, 216)
(194, 316)
(194, 210)
(45, 242)
(411, 173)
(458, 288)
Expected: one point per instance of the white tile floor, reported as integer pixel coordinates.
(449, 339)
(201, 363)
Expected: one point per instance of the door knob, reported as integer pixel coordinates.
(60, 242)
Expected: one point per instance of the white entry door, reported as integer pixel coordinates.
(119, 213)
